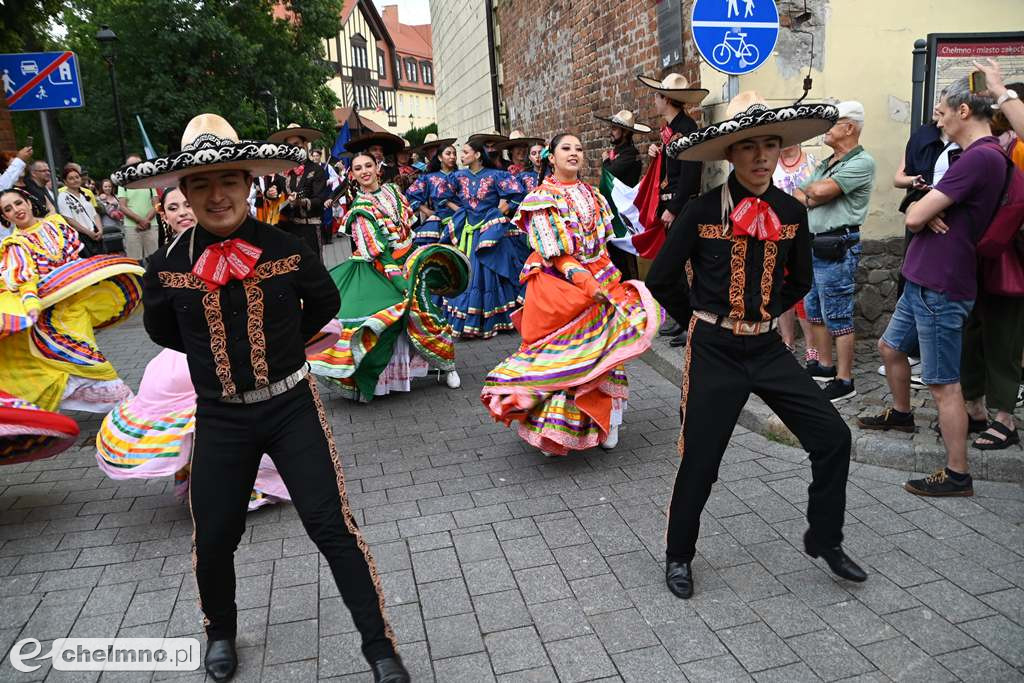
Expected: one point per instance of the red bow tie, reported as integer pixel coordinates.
(755, 217)
(225, 260)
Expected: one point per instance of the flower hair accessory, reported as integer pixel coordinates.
(545, 154)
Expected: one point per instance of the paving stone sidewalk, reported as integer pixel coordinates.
(922, 451)
(500, 564)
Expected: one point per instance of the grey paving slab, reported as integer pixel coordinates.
(498, 564)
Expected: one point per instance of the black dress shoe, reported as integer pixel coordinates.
(221, 659)
(390, 670)
(679, 579)
(838, 561)
(670, 329)
(679, 340)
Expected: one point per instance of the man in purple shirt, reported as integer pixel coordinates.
(941, 273)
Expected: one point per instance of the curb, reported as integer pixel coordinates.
(868, 447)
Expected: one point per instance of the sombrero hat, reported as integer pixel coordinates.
(432, 142)
(518, 138)
(748, 116)
(624, 119)
(390, 143)
(209, 143)
(27, 432)
(295, 130)
(676, 87)
(487, 138)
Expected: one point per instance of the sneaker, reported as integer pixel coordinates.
(839, 390)
(819, 372)
(915, 369)
(890, 419)
(917, 383)
(941, 484)
(453, 380)
(612, 440)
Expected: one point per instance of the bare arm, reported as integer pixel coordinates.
(901, 180)
(1013, 109)
(928, 211)
(821, 192)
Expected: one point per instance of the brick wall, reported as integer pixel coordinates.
(562, 64)
(7, 142)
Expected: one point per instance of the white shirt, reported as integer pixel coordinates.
(942, 163)
(78, 208)
(15, 170)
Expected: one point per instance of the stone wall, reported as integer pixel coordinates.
(877, 279)
(462, 70)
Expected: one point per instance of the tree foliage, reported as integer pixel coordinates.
(178, 58)
(415, 135)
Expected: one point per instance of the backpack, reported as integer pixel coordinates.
(1001, 247)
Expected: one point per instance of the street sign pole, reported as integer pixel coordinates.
(44, 121)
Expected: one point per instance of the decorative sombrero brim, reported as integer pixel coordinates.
(307, 134)
(434, 144)
(27, 432)
(793, 125)
(684, 95)
(636, 127)
(518, 142)
(390, 143)
(255, 158)
(486, 138)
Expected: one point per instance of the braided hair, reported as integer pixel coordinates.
(547, 154)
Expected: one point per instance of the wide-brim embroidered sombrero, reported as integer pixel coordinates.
(209, 143)
(431, 142)
(27, 432)
(518, 139)
(676, 87)
(391, 144)
(748, 116)
(294, 130)
(625, 119)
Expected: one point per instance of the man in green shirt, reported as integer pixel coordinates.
(140, 227)
(837, 196)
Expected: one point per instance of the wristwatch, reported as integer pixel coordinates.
(1008, 95)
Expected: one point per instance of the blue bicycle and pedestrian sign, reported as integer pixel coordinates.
(735, 36)
(41, 80)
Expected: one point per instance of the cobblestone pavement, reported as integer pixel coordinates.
(499, 564)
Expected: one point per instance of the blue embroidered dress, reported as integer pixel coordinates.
(434, 191)
(496, 248)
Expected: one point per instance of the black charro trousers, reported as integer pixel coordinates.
(720, 371)
(293, 430)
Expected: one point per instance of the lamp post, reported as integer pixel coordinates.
(106, 38)
(271, 97)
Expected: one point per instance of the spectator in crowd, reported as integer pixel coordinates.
(837, 196)
(38, 182)
(623, 161)
(795, 167)
(941, 273)
(111, 217)
(15, 168)
(140, 235)
(79, 212)
(85, 190)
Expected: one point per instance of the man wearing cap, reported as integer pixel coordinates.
(680, 180)
(623, 162)
(749, 247)
(240, 299)
(837, 196)
(305, 188)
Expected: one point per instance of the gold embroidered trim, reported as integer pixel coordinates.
(711, 231)
(265, 271)
(789, 231)
(254, 325)
(771, 250)
(737, 277)
(180, 280)
(346, 510)
(681, 444)
(218, 341)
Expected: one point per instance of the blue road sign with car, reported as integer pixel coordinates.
(41, 80)
(735, 36)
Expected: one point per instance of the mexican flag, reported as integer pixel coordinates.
(638, 228)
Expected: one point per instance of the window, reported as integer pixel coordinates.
(398, 67)
(359, 58)
(382, 62)
(428, 73)
(410, 70)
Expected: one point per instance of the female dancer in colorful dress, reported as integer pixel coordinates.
(51, 303)
(28, 432)
(394, 331)
(483, 230)
(430, 195)
(566, 385)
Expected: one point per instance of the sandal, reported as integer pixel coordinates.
(992, 441)
(972, 426)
